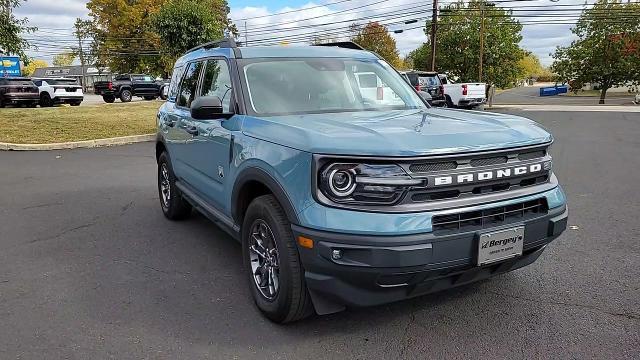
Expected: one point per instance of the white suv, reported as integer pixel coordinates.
(59, 91)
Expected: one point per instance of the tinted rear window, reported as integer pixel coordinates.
(61, 82)
(16, 82)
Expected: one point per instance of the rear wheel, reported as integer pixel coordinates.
(448, 102)
(125, 95)
(174, 206)
(45, 100)
(272, 262)
(108, 98)
(1, 103)
(75, 103)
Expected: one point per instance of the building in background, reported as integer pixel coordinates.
(92, 74)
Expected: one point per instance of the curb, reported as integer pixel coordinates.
(122, 140)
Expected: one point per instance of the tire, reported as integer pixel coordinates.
(33, 104)
(149, 98)
(175, 207)
(45, 100)
(1, 103)
(290, 300)
(108, 98)
(77, 103)
(448, 102)
(125, 95)
(162, 95)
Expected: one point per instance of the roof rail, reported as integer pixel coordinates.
(222, 43)
(343, 44)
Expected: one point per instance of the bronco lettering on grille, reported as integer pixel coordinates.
(486, 175)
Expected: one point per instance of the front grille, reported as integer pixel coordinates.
(436, 166)
(489, 161)
(530, 155)
(482, 219)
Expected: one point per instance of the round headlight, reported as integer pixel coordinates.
(342, 182)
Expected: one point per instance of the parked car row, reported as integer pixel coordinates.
(126, 86)
(31, 92)
(446, 93)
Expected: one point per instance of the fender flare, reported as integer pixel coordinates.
(260, 175)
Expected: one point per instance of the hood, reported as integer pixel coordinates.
(397, 133)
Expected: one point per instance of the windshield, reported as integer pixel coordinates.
(318, 85)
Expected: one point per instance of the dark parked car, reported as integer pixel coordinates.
(18, 91)
(428, 82)
(126, 86)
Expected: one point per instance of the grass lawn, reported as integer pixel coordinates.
(66, 123)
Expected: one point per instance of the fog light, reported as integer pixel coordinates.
(336, 254)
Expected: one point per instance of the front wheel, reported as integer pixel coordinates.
(272, 262)
(125, 96)
(174, 206)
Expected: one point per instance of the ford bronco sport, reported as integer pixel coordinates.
(344, 200)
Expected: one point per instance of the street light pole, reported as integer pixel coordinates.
(434, 29)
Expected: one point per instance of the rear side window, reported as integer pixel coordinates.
(217, 82)
(175, 81)
(38, 82)
(429, 81)
(189, 85)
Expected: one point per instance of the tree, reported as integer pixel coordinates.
(458, 43)
(11, 30)
(376, 38)
(607, 48)
(125, 41)
(531, 68)
(64, 59)
(184, 24)
(32, 66)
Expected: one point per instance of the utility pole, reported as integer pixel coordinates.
(79, 34)
(246, 40)
(481, 41)
(434, 29)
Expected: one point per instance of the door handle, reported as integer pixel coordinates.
(193, 130)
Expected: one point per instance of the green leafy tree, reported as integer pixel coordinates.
(184, 24)
(376, 38)
(458, 43)
(607, 48)
(124, 40)
(11, 30)
(64, 59)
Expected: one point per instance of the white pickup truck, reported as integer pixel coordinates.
(463, 95)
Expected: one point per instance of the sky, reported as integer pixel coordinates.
(55, 19)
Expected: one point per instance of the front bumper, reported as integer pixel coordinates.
(374, 270)
(472, 102)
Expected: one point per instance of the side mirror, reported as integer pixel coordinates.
(425, 95)
(206, 107)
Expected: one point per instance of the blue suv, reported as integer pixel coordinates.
(343, 185)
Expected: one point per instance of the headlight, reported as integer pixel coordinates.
(362, 184)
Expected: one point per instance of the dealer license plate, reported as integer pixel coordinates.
(500, 245)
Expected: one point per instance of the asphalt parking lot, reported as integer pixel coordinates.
(90, 269)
